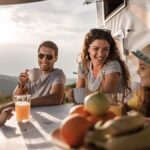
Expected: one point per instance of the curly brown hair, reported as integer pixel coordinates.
(114, 54)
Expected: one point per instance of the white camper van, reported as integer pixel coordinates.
(129, 22)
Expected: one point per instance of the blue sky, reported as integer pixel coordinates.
(23, 27)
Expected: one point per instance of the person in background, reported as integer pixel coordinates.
(141, 99)
(100, 65)
(50, 87)
(5, 115)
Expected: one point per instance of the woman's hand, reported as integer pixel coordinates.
(70, 96)
(6, 114)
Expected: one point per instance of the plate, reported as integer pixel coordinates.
(57, 140)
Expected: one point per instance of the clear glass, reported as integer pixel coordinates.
(116, 108)
(115, 97)
(22, 107)
(116, 100)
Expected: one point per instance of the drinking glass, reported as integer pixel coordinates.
(116, 100)
(116, 108)
(115, 97)
(22, 106)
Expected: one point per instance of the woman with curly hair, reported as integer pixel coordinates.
(101, 67)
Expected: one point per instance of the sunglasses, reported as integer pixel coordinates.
(99, 31)
(48, 56)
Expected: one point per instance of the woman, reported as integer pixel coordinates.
(101, 67)
(5, 115)
(141, 99)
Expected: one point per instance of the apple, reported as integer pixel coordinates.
(96, 103)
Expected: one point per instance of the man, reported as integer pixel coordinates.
(50, 87)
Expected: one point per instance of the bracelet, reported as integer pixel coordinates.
(20, 86)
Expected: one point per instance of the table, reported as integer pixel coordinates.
(35, 134)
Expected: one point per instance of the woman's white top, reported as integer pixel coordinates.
(92, 83)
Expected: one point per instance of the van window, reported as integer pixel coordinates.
(111, 7)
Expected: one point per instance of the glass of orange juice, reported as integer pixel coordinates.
(116, 108)
(22, 106)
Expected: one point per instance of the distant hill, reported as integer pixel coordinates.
(8, 83)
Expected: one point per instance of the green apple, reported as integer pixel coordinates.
(96, 103)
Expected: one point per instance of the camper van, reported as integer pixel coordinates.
(129, 22)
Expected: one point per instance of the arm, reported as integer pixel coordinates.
(111, 77)
(110, 83)
(20, 90)
(11, 104)
(5, 115)
(54, 98)
(80, 82)
(21, 87)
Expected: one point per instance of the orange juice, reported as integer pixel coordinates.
(116, 108)
(22, 111)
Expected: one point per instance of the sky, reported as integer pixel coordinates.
(24, 27)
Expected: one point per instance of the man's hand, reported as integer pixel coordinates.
(23, 78)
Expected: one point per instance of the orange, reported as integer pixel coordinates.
(79, 109)
(109, 115)
(93, 119)
(73, 129)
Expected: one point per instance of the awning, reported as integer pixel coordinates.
(8, 2)
(91, 1)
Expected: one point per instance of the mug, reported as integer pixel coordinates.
(80, 94)
(34, 74)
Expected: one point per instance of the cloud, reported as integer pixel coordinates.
(53, 14)
(63, 21)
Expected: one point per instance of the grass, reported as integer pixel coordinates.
(5, 99)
